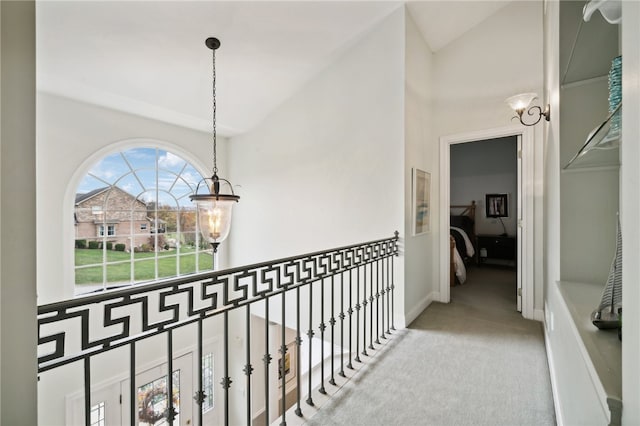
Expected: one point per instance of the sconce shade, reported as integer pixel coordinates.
(521, 101)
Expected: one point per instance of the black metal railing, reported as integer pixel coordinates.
(359, 278)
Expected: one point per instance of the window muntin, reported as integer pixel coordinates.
(97, 417)
(111, 230)
(207, 382)
(143, 194)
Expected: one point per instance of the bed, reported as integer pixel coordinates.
(462, 241)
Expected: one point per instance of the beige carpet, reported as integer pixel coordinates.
(474, 361)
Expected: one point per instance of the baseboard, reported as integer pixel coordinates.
(538, 315)
(421, 306)
(552, 374)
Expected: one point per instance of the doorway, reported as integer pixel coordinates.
(522, 203)
(484, 212)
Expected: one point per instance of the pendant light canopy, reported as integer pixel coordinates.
(215, 208)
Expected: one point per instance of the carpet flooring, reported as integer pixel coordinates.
(474, 361)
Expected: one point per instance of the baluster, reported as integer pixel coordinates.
(298, 361)
(171, 411)
(371, 307)
(322, 390)
(226, 381)
(248, 368)
(382, 293)
(133, 392)
(283, 353)
(388, 293)
(199, 397)
(332, 321)
(87, 391)
(364, 311)
(393, 286)
(342, 317)
(358, 314)
(377, 301)
(350, 311)
(267, 360)
(310, 334)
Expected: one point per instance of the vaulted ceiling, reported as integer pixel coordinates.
(149, 58)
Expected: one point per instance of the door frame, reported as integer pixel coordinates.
(525, 263)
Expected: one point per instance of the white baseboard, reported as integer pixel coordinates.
(552, 374)
(421, 306)
(538, 315)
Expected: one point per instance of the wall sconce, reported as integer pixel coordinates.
(520, 103)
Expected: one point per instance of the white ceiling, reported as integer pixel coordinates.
(149, 57)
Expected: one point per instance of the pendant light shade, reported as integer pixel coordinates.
(214, 213)
(214, 208)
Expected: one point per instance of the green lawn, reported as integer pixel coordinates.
(144, 265)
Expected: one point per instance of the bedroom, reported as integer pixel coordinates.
(484, 210)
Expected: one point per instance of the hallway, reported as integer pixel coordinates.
(474, 361)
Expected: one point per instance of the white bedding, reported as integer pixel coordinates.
(467, 242)
(461, 270)
(458, 263)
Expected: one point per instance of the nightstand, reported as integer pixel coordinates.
(496, 247)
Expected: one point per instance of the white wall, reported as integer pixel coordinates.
(326, 168)
(486, 167)
(473, 76)
(419, 152)
(18, 333)
(71, 137)
(630, 206)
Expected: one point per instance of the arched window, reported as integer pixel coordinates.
(134, 221)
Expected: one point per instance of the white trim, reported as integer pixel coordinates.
(68, 226)
(601, 393)
(526, 267)
(552, 374)
(590, 169)
(420, 307)
(588, 81)
(538, 315)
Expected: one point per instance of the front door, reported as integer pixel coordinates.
(153, 398)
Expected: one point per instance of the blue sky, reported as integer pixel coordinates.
(134, 171)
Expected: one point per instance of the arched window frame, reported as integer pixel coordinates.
(202, 254)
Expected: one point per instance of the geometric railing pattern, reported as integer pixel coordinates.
(359, 309)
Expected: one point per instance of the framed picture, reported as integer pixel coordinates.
(288, 367)
(421, 202)
(497, 205)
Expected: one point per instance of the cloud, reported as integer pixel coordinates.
(170, 160)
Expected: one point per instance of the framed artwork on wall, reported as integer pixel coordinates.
(497, 205)
(421, 207)
(288, 367)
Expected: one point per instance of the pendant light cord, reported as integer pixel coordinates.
(215, 165)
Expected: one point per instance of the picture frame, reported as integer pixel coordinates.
(421, 199)
(497, 205)
(289, 364)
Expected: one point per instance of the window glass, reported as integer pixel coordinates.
(134, 221)
(207, 382)
(97, 417)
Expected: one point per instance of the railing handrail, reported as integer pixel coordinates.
(185, 279)
(347, 279)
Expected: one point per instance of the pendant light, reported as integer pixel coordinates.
(216, 207)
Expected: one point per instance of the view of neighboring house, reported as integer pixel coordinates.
(110, 214)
